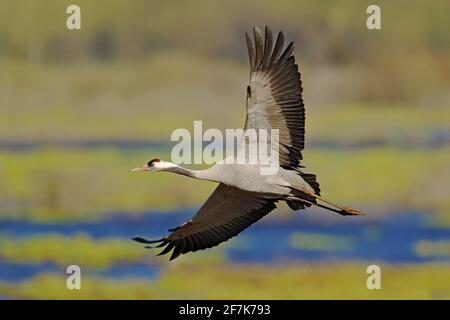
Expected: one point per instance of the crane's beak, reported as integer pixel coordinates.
(141, 168)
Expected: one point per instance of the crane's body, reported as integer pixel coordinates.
(244, 194)
(246, 177)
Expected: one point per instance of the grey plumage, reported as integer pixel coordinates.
(243, 196)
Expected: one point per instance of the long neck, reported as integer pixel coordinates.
(206, 174)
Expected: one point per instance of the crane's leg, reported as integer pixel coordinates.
(345, 211)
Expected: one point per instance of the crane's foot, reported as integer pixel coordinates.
(345, 211)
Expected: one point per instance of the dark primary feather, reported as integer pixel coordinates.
(275, 97)
(225, 214)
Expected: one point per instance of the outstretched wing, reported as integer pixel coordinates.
(274, 95)
(226, 213)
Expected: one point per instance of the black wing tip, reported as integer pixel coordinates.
(266, 28)
(143, 240)
(276, 54)
(174, 256)
(176, 245)
(175, 253)
(291, 46)
(163, 242)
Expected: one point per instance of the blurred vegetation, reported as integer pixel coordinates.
(407, 59)
(219, 281)
(324, 242)
(139, 69)
(79, 184)
(56, 184)
(147, 101)
(144, 101)
(428, 248)
(65, 250)
(92, 254)
(133, 73)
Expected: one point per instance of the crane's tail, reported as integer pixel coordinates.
(296, 204)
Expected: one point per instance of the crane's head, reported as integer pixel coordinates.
(155, 165)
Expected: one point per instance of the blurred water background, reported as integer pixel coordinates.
(79, 109)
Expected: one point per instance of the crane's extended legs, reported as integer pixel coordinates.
(345, 211)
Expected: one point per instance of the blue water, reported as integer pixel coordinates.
(13, 272)
(385, 240)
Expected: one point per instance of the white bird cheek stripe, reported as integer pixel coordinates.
(163, 165)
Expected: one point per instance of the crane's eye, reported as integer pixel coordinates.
(151, 162)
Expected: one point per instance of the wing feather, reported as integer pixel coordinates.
(226, 213)
(278, 47)
(274, 99)
(267, 47)
(258, 46)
